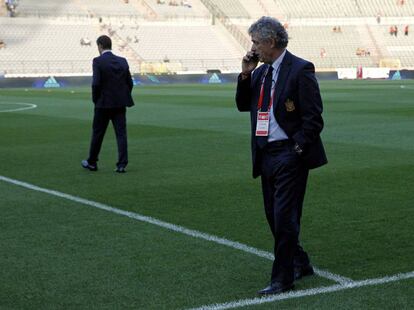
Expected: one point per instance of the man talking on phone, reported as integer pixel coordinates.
(283, 98)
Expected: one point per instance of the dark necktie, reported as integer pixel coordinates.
(267, 87)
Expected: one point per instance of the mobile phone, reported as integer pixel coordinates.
(254, 57)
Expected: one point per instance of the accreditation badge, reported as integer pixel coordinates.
(262, 127)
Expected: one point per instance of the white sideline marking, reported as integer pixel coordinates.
(176, 228)
(309, 292)
(27, 106)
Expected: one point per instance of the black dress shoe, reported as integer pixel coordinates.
(85, 164)
(276, 288)
(120, 170)
(303, 271)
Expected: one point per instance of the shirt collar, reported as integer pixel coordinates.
(278, 61)
(106, 51)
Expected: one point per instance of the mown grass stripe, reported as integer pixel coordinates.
(193, 233)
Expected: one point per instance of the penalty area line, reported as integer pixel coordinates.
(189, 232)
(27, 106)
(308, 292)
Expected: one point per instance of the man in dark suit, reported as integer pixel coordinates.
(285, 105)
(111, 94)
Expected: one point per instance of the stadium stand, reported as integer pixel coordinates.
(36, 45)
(197, 35)
(231, 8)
(385, 8)
(254, 8)
(395, 47)
(204, 45)
(260, 8)
(337, 49)
(317, 8)
(167, 9)
(84, 7)
(326, 8)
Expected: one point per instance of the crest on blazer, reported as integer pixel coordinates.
(290, 105)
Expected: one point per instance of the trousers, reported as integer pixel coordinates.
(284, 177)
(101, 119)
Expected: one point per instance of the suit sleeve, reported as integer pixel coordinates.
(129, 79)
(310, 107)
(243, 94)
(96, 81)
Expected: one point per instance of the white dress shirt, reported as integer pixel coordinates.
(275, 131)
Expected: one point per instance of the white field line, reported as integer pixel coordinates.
(309, 292)
(173, 227)
(27, 106)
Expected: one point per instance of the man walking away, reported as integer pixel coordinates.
(111, 94)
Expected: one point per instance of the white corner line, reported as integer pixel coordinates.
(27, 106)
(308, 292)
(332, 276)
(172, 227)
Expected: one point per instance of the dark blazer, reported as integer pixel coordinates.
(297, 107)
(112, 82)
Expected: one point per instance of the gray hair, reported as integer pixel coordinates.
(270, 28)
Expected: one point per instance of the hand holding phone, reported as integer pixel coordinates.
(249, 63)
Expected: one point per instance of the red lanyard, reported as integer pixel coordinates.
(260, 102)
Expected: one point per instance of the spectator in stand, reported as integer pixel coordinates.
(362, 52)
(123, 45)
(2, 44)
(186, 4)
(85, 42)
(11, 7)
(323, 53)
(359, 72)
(337, 29)
(394, 30)
(111, 32)
(406, 29)
(378, 18)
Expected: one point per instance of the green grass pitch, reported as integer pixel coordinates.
(190, 165)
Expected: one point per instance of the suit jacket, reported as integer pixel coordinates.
(112, 82)
(297, 107)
